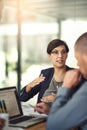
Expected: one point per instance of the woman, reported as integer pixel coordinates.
(50, 78)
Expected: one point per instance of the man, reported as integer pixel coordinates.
(69, 110)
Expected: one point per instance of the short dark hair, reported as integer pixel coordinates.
(81, 43)
(55, 43)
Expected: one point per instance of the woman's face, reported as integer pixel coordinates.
(58, 56)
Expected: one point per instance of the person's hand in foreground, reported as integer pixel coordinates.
(42, 108)
(2, 123)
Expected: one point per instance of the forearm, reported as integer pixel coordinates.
(29, 87)
(25, 96)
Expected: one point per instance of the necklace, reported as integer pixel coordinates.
(57, 84)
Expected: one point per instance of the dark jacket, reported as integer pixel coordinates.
(40, 88)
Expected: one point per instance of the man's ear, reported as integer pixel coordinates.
(85, 53)
(85, 56)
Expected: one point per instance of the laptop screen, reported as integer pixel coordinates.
(10, 96)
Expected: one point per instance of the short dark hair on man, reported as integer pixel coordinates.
(81, 43)
(55, 43)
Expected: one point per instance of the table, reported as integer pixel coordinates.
(40, 126)
(28, 110)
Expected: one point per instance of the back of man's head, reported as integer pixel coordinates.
(81, 43)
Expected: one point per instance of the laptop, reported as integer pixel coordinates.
(14, 108)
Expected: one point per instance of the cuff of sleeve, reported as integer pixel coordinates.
(23, 90)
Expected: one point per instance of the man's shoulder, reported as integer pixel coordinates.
(84, 82)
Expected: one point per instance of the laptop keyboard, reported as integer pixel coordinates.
(20, 119)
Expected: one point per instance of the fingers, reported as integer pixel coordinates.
(49, 98)
(39, 108)
(44, 99)
(35, 82)
(39, 79)
(53, 94)
(72, 78)
(42, 108)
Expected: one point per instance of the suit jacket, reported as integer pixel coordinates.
(40, 88)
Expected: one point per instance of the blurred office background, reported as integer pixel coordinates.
(26, 28)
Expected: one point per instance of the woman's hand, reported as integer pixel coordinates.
(35, 82)
(49, 98)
